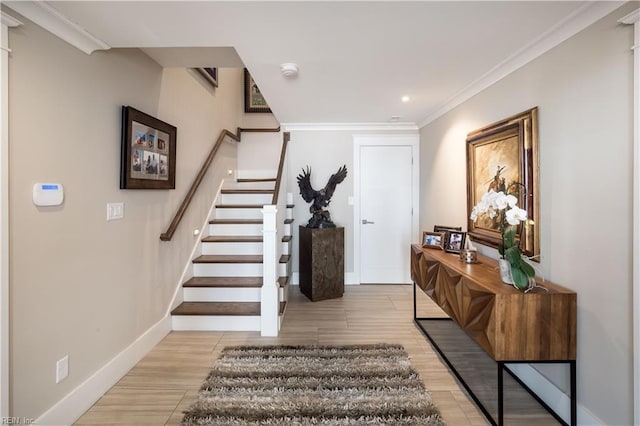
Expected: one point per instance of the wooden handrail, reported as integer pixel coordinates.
(285, 141)
(168, 234)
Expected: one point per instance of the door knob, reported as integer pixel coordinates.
(366, 222)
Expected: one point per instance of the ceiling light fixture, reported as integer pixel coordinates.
(405, 99)
(289, 69)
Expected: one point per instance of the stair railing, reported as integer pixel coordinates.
(168, 234)
(273, 225)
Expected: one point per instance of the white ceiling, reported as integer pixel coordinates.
(356, 59)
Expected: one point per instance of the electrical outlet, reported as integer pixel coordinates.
(115, 211)
(62, 369)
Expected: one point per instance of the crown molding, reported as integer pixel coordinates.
(10, 21)
(318, 127)
(631, 18)
(56, 23)
(568, 27)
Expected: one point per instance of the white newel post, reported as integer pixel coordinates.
(634, 19)
(269, 306)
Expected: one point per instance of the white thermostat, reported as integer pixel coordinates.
(48, 194)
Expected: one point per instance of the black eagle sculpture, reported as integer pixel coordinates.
(319, 199)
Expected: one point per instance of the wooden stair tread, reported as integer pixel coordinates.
(223, 282)
(246, 191)
(288, 221)
(232, 239)
(290, 206)
(228, 258)
(236, 221)
(221, 308)
(256, 180)
(239, 206)
(285, 258)
(286, 238)
(244, 282)
(218, 308)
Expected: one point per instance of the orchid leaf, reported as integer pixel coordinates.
(512, 254)
(520, 280)
(527, 269)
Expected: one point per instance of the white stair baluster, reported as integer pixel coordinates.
(269, 308)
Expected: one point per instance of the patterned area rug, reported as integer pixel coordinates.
(313, 385)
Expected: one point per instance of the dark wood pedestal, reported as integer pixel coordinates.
(321, 262)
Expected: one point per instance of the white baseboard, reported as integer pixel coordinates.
(552, 395)
(71, 407)
(349, 279)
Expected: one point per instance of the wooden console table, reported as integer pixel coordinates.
(509, 325)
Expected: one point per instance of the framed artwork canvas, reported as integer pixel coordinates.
(148, 152)
(253, 99)
(501, 155)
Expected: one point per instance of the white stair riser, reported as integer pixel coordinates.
(289, 214)
(249, 185)
(227, 294)
(215, 323)
(235, 229)
(233, 269)
(231, 213)
(245, 199)
(286, 248)
(287, 229)
(231, 248)
(282, 270)
(222, 294)
(227, 269)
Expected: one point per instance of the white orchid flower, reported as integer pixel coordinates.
(511, 200)
(515, 215)
(502, 201)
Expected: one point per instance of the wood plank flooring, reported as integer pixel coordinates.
(166, 381)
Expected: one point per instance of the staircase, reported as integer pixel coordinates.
(225, 290)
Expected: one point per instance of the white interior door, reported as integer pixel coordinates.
(385, 222)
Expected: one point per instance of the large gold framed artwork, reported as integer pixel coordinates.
(497, 156)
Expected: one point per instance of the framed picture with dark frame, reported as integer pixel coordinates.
(455, 241)
(433, 240)
(148, 152)
(446, 230)
(209, 74)
(499, 155)
(253, 99)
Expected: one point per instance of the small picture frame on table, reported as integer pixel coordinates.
(446, 230)
(455, 241)
(434, 240)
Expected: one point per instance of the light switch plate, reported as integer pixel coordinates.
(115, 211)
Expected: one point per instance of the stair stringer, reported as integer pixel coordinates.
(187, 272)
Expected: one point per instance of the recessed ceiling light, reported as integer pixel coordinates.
(406, 98)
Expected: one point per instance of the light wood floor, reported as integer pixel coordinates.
(166, 381)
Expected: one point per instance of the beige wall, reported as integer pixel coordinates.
(82, 286)
(583, 89)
